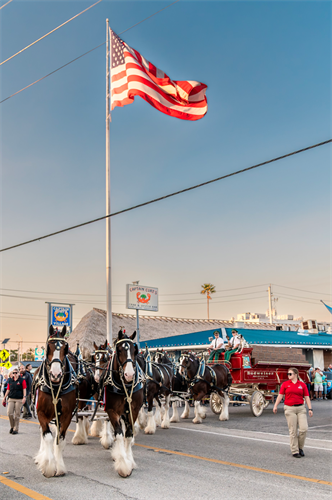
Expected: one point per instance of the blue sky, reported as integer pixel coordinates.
(268, 70)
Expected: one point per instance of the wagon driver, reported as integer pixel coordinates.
(216, 346)
(233, 345)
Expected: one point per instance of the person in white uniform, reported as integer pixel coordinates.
(233, 345)
(216, 347)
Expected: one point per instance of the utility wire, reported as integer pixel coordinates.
(167, 196)
(49, 33)
(2, 6)
(85, 53)
(300, 290)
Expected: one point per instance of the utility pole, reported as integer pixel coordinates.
(137, 320)
(270, 305)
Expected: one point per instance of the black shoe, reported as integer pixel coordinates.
(301, 452)
(297, 455)
(11, 431)
(15, 432)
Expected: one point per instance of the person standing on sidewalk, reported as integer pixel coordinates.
(25, 374)
(16, 392)
(295, 392)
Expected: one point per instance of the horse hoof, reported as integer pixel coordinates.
(60, 474)
(124, 475)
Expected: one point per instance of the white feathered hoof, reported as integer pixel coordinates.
(186, 410)
(201, 412)
(175, 416)
(197, 420)
(151, 426)
(136, 428)
(122, 465)
(157, 416)
(142, 418)
(80, 436)
(96, 428)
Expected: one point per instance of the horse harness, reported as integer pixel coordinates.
(199, 376)
(123, 388)
(44, 383)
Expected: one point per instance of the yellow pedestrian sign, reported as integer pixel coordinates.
(4, 354)
(8, 365)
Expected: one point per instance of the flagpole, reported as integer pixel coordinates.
(108, 194)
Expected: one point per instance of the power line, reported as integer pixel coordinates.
(218, 291)
(167, 196)
(218, 302)
(203, 299)
(85, 53)
(121, 295)
(2, 6)
(49, 33)
(300, 290)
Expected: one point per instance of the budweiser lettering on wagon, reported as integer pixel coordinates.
(142, 297)
(132, 75)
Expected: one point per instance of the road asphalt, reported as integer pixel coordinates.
(245, 457)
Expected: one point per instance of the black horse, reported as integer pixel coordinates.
(123, 385)
(179, 386)
(159, 382)
(203, 380)
(100, 361)
(54, 395)
(86, 389)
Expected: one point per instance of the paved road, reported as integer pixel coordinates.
(186, 461)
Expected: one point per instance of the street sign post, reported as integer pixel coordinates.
(144, 298)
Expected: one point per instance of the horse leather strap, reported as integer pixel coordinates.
(55, 403)
(129, 398)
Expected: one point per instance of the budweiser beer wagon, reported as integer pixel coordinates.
(257, 382)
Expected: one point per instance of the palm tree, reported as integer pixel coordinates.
(208, 288)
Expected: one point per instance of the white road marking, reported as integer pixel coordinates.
(316, 427)
(246, 437)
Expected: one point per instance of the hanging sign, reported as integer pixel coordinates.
(39, 353)
(60, 316)
(140, 297)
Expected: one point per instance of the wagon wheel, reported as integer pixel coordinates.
(257, 403)
(267, 402)
(215, 403)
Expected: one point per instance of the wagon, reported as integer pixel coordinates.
(257, 382)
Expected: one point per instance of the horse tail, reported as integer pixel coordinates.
(229, 377)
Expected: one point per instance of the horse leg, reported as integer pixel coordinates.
(157, 415)
(165, 423)
(86, 425)
(198, 398)
(224, 415)
(175, 417)
(106, 435)
(119, 453)
(96, 428)
(186, 410)
(142, 418)
(45, 458)
(151, 425)
(80, 436)
(201, 411)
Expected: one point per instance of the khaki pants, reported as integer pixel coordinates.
(296, 417)
(14, 412)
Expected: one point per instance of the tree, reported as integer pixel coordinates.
(208, 289)
(29, 355)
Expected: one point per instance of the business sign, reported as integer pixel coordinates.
(39, 353)
(144, 298)
(60, 316)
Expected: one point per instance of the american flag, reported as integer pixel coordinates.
(132, 74)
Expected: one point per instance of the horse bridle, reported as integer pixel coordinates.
(59, 341)
(126, 348)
